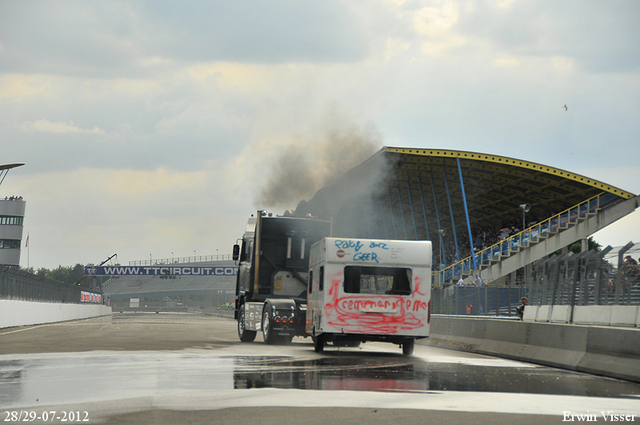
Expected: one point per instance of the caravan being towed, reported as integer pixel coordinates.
(369, 290)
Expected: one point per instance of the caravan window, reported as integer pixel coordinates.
(377, 280)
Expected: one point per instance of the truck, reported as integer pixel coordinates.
(271, 284)
(295, 280)
(369, 290)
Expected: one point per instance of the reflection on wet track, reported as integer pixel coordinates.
(392, 373)
(94, 376)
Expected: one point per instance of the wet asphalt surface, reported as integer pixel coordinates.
(190, 368)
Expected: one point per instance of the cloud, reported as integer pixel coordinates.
(45, 126)
(121, 38)
(600, 37)
(85, 215)
(433, 21)
(16, 88)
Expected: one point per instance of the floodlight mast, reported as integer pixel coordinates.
(525, 209)
(4, 169)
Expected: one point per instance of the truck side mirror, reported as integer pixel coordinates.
(236, 252)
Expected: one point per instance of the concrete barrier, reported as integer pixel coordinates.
(530, 313)
(560, 314)
(23, 313)
(598, 350)
(592, 315)
(624, 315)
(612, 352)
(544, 313)
(604, 315)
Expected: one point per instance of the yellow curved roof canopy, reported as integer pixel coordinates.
(408, 193)
(511, 162)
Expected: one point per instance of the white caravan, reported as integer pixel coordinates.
(369, 290)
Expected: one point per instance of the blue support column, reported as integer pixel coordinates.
(466, 213)
(368, 219)
(3, 174)
(393, 218)
(384, 220)
(404, 224)
(435, 204)
(424, 209)
(413, 215)
(453, 224)
(375, 217)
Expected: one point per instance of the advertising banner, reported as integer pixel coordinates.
(159, 271)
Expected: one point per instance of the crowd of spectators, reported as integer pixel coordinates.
(484, 237)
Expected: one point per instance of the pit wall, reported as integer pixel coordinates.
(607, 351)
(605, 315)
(23, 313)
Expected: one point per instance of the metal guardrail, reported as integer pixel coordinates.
(589, 278)
(550, 226)
(181, 260)
(16, 284)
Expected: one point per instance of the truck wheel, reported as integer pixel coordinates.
(267, 332)
(407, 347)
(243, 333)
(318, 343)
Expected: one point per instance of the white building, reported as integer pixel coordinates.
(11, 224)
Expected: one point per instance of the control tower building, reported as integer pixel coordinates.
(11, 223)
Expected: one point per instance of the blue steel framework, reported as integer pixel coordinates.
(488, 194)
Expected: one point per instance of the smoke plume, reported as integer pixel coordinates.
(308, 164)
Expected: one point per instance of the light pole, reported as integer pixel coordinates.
(525, 209)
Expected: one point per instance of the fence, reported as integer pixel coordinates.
(182, 260)
(608, 277)
(487, 301)
(16, 284)
(543, 229)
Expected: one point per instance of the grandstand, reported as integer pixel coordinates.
(485, 214)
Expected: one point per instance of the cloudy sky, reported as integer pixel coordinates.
(153, 129)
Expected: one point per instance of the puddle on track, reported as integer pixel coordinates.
(81, 377)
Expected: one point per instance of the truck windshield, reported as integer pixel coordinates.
(377, 280)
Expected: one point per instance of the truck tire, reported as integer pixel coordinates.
(243, 333)
(267, 333)
(407, 347)
(318, 343)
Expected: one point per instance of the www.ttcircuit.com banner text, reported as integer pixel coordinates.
(159, 271)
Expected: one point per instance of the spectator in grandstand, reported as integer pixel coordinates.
(520, 310)
(478, 281)
(461, 281)
(479, 243)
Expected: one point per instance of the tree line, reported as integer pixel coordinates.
(71, 274)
